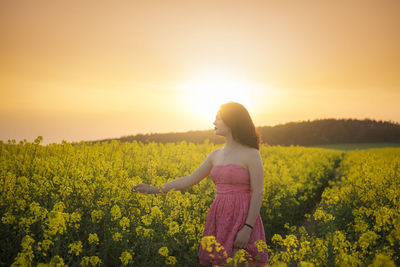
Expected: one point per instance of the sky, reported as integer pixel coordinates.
(88, 70)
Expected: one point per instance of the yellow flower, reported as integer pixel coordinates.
(8, 218)
(218, 247)
(55, 223)
(115, 212)
(173, 228)
(27, 242)
(21, 204)
(93, 239)
(207, 241)
(147, 220)
(85, 261)
(75, 247)
(190, 229)
(170, 260)
(59, 206)
(240, 256)
(57, 261)
(126, 257)
(163, 251)
(277, 238)
(97, 215)
(94, 260)
(117, 237)
(46, 244)
(382, 260)
(37, 211)
(367, 239)
(306, 264)
(25, 257)
(261, 245)
(75, 219)
(124, 222)
(141, 231)
(156, 212)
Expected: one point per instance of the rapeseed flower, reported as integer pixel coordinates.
(124, 223)
(55, 224)
(115, 212)
(94, 260)
(75, 218)
(93, 239)
(117, 237)
(85, 261)
(75, 247)
(125, 257)
(173, 228)
(97, 215)
(156, 213)
(57, 261)
(261, 245)
(170, 260)
(163, 251)
(146, 219)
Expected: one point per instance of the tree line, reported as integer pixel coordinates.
(303, 133)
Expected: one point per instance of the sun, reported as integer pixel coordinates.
(207, 91)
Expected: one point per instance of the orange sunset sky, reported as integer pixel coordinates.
(87, 70)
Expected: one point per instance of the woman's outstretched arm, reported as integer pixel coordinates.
(181, 183)
(177, 184)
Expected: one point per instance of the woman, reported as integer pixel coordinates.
(237, 171)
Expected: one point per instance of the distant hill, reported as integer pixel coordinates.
(304, 133)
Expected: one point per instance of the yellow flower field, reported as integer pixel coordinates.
(71, 204)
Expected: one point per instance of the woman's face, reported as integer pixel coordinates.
(220, 127)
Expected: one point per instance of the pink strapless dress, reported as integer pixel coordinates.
(228, 214)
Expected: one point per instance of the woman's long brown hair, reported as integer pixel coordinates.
(238, 119)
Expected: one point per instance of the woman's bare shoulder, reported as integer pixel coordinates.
(213, 154)
(251, 154)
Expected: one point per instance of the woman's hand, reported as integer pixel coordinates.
(242, 238)
(143, 188)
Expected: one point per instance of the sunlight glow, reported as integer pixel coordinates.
(205, 93)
